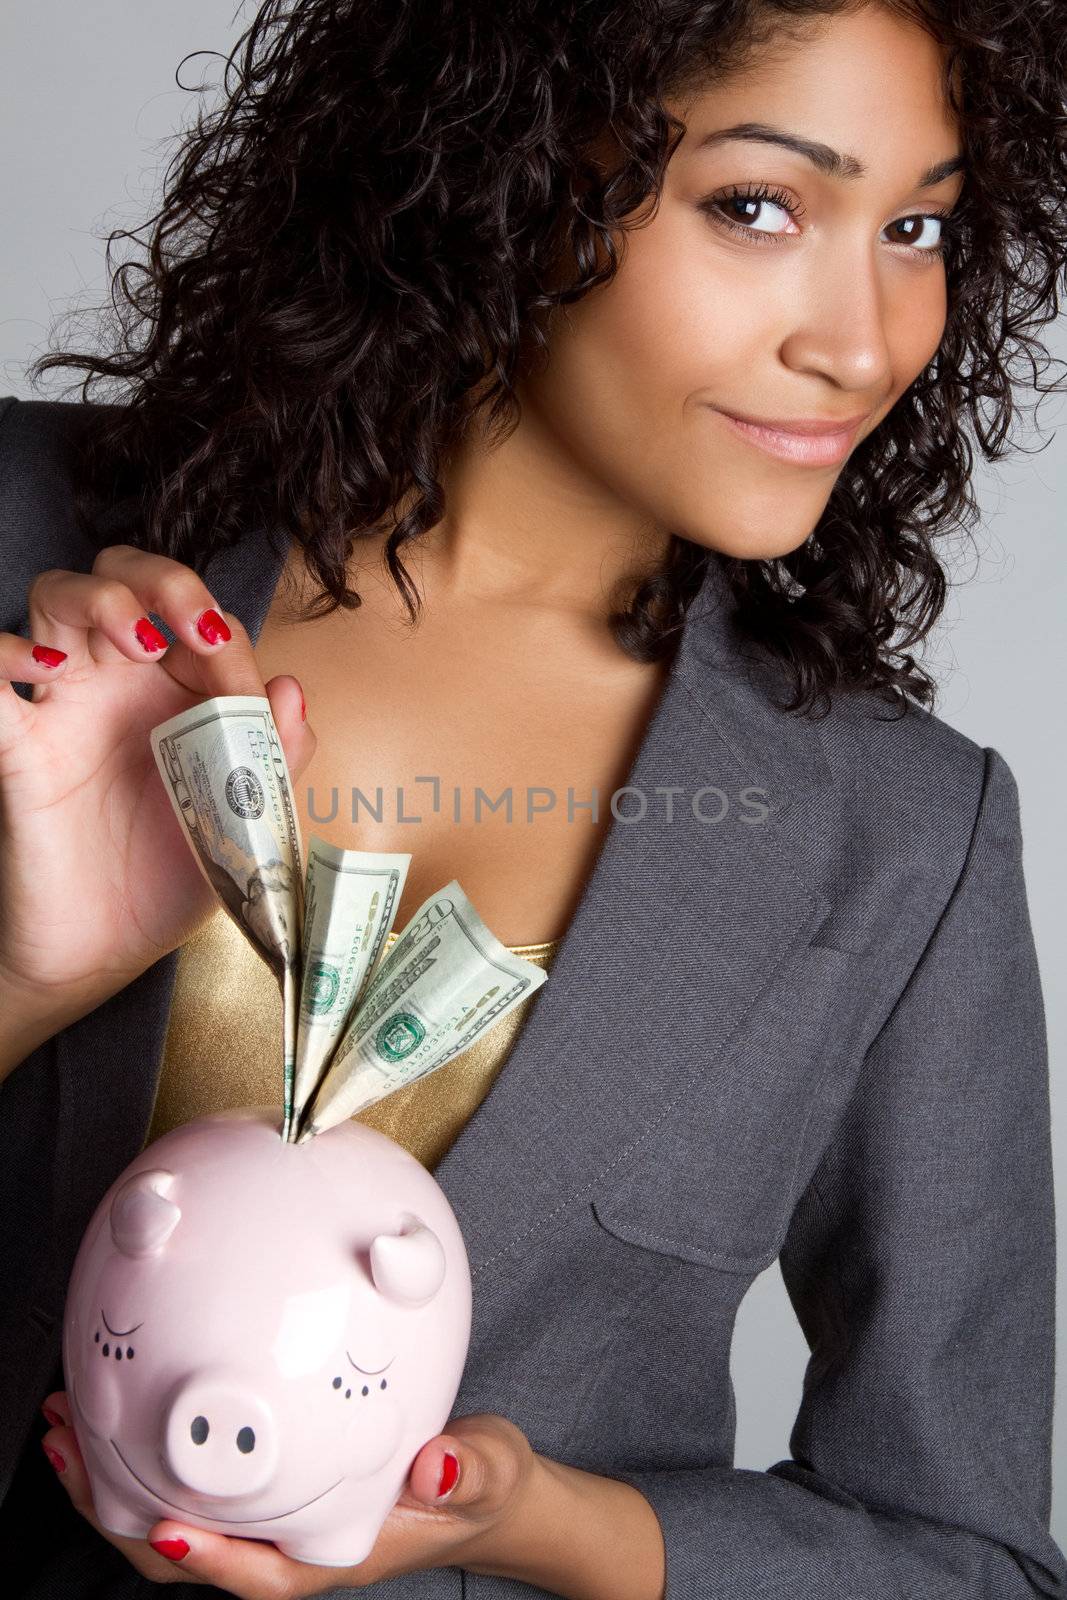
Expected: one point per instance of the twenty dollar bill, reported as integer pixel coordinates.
(445, 981)
(354, 1028)
(224, 768)
(350, 902)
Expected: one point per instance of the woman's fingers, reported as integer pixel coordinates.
(290, 718)
(171, 590)
(212, 654)
(65, 606)
(23, 661)
(28, 661)
(60, 1445)
(56, 1409)
(103, 615)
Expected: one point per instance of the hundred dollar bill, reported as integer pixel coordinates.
(350, 903)
(224, 768)
(445, 981)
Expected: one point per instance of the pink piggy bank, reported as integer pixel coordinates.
(259, 1337)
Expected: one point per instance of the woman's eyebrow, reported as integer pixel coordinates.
(832, 163)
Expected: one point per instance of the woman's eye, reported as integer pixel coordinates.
(762, 214)
(932, 243)
(754, 211)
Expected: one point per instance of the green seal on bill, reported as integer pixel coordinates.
(399, 1036)
(324, 984)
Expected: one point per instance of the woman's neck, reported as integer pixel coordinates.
(527, 523)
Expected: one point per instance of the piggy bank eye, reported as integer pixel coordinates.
(383, 1383)
(116, 1345)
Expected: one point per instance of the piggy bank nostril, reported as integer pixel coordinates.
(199, 1430)
(246, 1441)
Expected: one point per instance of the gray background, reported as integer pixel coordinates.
(91, 102)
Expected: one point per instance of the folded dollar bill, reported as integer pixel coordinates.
(445, 981)
(355, 1025)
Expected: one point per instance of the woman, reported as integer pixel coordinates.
(749, 271)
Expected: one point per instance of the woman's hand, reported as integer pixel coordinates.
(498, 1475)
(97, 881)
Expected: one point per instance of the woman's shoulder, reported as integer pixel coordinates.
(39, 523)
(37, 436)
(894, 772)
(920, 782)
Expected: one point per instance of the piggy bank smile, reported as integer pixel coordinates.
(228, 1521)
(198, 1510)
(219, 1439)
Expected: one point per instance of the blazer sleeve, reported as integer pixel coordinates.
(920, 1261)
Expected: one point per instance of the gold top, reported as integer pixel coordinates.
(223, 1047)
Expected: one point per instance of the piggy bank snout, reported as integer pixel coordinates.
(219, 1437)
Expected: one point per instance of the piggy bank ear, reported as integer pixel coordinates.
(142, 1218)
(408, 1267)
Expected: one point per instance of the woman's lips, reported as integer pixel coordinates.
(802, 449)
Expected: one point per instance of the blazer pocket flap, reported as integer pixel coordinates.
(623, 1224)
(716, 1181)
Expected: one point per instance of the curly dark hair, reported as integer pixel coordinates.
(363, 240)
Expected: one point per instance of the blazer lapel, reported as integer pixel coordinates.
(680, 925)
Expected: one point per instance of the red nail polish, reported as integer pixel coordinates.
(173, 1549)
(149, 636)
(54, 1457)
(211, 626)
(449, 1474)
(47, 656)
(303, 708)
(51, 1417)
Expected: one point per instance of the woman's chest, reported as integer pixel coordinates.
(488, 753)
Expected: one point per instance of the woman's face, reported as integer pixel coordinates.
(822, 304)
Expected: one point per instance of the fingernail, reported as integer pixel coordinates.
(149, 636)
(54, 1457)
(303, 708)
(449, 1474)
(210, 626)
(173, 1549)
(50, 1416)
(47, 656)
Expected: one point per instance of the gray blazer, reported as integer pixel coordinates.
(809, 1030)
